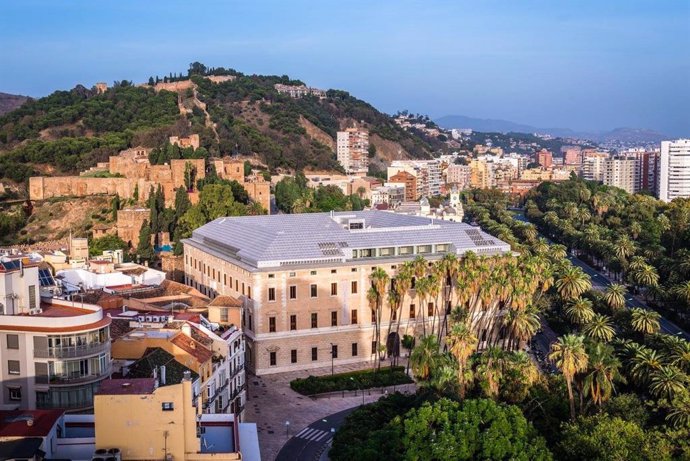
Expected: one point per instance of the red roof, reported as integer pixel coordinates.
(192, 347)
(135, 386)
(28, 423)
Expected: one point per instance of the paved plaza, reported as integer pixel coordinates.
(271, 403)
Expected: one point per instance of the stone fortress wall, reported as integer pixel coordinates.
(136, 174)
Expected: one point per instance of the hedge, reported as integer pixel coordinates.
(354, 380)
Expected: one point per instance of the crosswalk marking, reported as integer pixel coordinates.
(312, 435)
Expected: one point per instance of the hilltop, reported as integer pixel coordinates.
(234, 114)
(9, 102)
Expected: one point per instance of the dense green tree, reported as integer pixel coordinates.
(145, 248)
(105, 243)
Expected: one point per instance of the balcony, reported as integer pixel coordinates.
(236, 371)
(72, 352)
(75, 378)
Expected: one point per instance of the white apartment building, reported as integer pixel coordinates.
(593, 166)
(623, 173)
(352, 149)
(54, 353)
(427, 172)
(674, 169)
(459, 175)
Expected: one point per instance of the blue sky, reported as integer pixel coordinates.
(586, 65)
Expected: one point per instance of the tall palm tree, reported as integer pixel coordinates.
(683, 291)
(615, 296)
(645, 321)
(644, 275)
(424, 357)
(570, 356)
(679, 353)
(572, 283)
(462, 343)
(580, 311)
(667, 382)
(679, 413)
(600, 327)
(521, 325)
(490, 369)
(603, 372)
(624, 247)
(379, 283)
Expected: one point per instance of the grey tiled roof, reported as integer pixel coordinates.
(270, 240)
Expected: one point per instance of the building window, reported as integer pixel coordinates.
(413, 312)
(395, 315)
(389, 251)
(413, 283)
(293, 322)
(405, 250)
(373, 347)
(373, 316)
(272, 359)
(334, 351)
(333, 271)
(271, 324)
(251, 323)
(314, 320)
(223, 314)
(15, 393)
(225, 279)
(291, 274)
(271, 294)
(334, 319)
(271, 276)
(313, 290)
(354, 269)
(168, 406)
(249, 292)
(242, 287)
(13, 341)
(354, 349)
(293, 356)
(334, 289)
(293, 292)
(32, 296)
(430, 309)
(313, 273)
(353, 316)
(314, 354)
(353, 287)
(13, 367)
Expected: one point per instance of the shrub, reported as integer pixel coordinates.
(365, 379)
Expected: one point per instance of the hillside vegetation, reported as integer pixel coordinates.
(72, 130)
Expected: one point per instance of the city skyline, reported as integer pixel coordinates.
(584, 67)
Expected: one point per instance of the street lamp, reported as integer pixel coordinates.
(287, 429)
(332, 358)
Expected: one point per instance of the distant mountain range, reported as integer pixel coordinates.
(9, 102)
(625, 135)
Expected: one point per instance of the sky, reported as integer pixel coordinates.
(586, 65)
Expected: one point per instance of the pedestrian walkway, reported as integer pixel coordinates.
(280, 413)
(313, 435)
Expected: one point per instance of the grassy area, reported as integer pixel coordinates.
(354, 380)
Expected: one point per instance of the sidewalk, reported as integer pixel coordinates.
(271, 402)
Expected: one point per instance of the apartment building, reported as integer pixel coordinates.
(459, 175)
(593, 165)
(622, 172)
(648, 165)
(217, 359)
(544, 159)
(426, 172)
(674, 170)
(392, 194)
(54, 352)
(352, 149)
(408, 181)
(303, 278)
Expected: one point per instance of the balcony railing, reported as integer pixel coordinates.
(71, 352)
(236, 371)
(76, 378)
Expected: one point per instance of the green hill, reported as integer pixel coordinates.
(69, 131)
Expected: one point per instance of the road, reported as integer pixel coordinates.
(600, 281)
(310, 443)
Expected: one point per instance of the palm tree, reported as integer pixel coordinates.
(463, 343)
(615, 296)
(644, 363)
(644, 320)
(624, 248)
(683, 291)
(603, 372)
(572, 283)
(521, 324)
(667, 382)
(644, 275)
(679, 352)
(600, 327)
(490, 368)
(570, 356)
(379, 283)
(679, 414)
(580, 311)
(424, 357)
